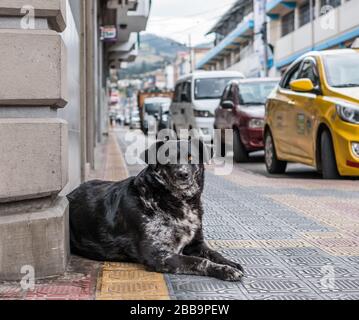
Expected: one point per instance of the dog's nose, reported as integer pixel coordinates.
(183, 175)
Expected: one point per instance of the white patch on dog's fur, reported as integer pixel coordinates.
(169, 233)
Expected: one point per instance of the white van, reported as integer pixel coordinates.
(196, 98)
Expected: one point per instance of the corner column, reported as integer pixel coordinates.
(33, 140)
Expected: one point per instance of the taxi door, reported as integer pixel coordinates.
(282, 114)
(306, 113)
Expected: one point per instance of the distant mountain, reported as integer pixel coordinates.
(153, 44)
(154, 53)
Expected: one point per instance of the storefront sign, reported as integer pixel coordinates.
(108, 33)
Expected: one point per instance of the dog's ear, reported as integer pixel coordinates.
(201, 152)
(150, 155)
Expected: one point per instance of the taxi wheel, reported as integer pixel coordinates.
(329, 163)
(273, 164)
(240, 153)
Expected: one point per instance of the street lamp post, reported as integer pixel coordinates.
(265, 39)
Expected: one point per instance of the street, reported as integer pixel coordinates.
(295, 234)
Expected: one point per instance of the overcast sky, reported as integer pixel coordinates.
(179, 18)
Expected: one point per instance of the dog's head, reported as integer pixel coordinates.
(178, 165)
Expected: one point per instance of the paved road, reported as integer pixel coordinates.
(296, 235)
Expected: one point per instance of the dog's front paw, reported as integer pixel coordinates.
(228, 273)
(236, 266)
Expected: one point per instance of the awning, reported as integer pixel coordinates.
(276, 8)
(231, 41)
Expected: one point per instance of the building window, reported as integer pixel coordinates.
(332, 3)
(304, 13)
(287, 23)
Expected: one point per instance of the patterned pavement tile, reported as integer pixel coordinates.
(230, 235)
(341, 251)
(342, 286)
(296, 243)
(276, 286)
(318, 272)
(78, 283)
(308, 261)
(341, 242)
(194, 286)
(273, 235)
(238, 296)
(285, 297)
(342, 296)
(232, 244)
(272, 272)
(240, 252)
(352, 261)
(11, 292)
(289, 252)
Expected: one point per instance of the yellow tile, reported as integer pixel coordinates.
(277, 244)
(131, 275)
(123, 281)
(114, 266)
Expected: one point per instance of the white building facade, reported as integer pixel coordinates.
(299, 26)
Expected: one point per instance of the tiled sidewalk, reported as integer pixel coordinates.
(297, 239)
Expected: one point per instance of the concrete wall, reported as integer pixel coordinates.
(34, 142)
(72, 111)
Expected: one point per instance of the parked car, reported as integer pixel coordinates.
(242, 109)
(163, 122)
(152, 111)
(120, 119)
(146, 94)
(196, 98)
(135, 120)
(127, 115)
(313, 116)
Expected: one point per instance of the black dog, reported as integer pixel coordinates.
(154, 219)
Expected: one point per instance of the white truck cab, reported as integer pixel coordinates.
(197, 96)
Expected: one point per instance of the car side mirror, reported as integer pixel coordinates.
(302, 85)
(228, 104)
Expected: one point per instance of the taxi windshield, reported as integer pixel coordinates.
(342, 71)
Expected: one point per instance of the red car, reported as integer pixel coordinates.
(242, 109)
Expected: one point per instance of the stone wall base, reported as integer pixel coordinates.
(37, 239)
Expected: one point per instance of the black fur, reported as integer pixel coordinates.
(154, 219)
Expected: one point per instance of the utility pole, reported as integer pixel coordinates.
(190, 52)
(265, 38)
(265, 43)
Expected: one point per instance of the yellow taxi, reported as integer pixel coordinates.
(312, 117)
